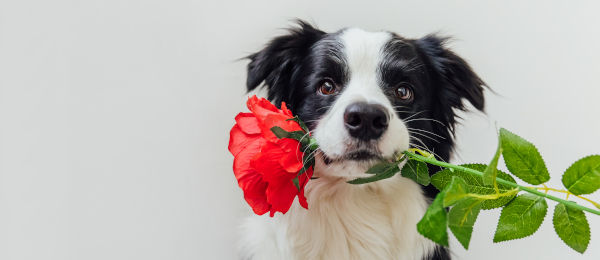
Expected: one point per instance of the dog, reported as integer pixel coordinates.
(364, 96)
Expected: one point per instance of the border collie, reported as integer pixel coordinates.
(365, 96)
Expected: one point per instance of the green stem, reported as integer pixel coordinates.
(433, 161)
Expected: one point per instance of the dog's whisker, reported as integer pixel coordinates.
(420, 147)
(425, 131)
(415, 114)
(310, 121)
(401, 111)
(314, 153)
(426, 148)
(308, 157)
(426, 136)
(425, 119)
(298, 147)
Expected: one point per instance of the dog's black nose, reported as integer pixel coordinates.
(366, 121)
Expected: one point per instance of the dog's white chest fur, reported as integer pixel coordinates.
(344, 221)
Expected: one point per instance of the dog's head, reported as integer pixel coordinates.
(367, 95)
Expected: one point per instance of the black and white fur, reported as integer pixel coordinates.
(369, 221)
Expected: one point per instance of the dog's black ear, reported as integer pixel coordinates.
(458, 80)
(277, 62)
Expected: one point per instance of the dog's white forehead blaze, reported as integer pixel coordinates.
(363, 52)
(363, 49)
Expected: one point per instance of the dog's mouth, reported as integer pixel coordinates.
(362, 155)
(359, 155)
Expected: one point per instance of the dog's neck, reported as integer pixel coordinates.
(369, 221)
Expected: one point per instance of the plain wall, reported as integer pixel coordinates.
(114, 115)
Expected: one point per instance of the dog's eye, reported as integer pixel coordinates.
(327, 87)
(404, 92)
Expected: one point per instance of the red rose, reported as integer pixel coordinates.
(265, 166)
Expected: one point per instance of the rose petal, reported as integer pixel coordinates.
(268, 116)
(238, 140)
(281, 191)
(291, 162)
(280, 120)
(289, 145)
(269, 122)
(261, 107)
(248, 123)
(249, 179)
(255, 193)
(285, 110)
(267, 163)
(241, 162)
(281, 194)
(302, 181)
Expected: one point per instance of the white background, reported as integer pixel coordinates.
(115, 114)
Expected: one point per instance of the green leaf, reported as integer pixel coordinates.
(461, 219)
(416, 171)
(296, 135)
(583, 177)
(434, 224)
(572, 227)
(381, 167)
(455, 191)
(489, 175)
(521, 217)
(279, 132)
(296, 182)
(475, 184)
(523, 159)
(380, 176)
